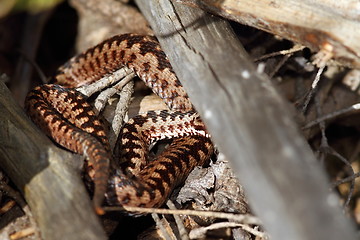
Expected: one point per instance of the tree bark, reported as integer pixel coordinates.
(250, 123)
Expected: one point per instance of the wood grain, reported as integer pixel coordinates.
(250, 123)
(315, 24)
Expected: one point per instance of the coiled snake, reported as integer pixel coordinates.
(65, 115)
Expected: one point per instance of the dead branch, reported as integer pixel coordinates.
(315, 24)
(52, 188)
(250, 123)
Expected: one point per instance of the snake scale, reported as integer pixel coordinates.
(65, 115)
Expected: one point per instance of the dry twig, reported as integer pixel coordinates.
(240, 218)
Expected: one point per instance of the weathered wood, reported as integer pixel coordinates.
(99, 23)
(315, 24)
(52, 188)
(250, 123)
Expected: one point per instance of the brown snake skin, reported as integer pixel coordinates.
(64, 115)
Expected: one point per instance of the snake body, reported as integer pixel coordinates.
(66, 116)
